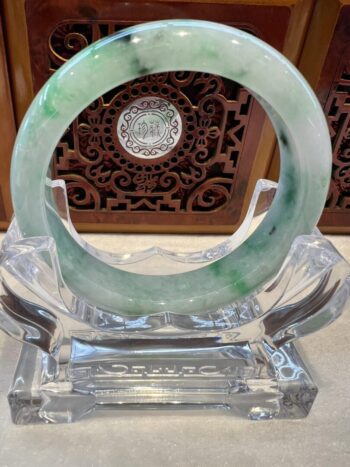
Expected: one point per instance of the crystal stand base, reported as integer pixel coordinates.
(251, 381)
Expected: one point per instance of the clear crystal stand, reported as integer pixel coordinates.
(77, 359)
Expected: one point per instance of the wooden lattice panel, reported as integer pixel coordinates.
(334, 93)
(198, 175)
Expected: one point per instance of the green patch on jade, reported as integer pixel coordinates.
(155, 48)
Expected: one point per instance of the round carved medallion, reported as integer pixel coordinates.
(149, 127)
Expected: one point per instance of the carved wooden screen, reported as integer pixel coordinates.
(198, 176)
(198, 184)
(334, 94)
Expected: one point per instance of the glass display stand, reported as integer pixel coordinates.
(77, 358)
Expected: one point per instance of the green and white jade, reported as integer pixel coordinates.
(168, 46)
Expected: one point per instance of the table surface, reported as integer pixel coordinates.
(194, 438)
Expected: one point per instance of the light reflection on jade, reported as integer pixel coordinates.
(168, 46)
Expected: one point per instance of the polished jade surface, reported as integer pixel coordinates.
(168, 46)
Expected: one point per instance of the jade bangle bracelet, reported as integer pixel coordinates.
(161, 47)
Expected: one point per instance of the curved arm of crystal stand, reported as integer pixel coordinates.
(29, 322)
(309, 292)
(318, 309)
(261, 199)
(26, 266)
